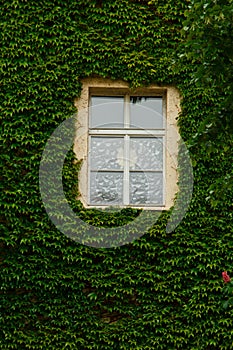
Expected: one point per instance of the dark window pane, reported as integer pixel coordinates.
(146, 112)
(107, 112)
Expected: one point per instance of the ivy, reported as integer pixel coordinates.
(164, 290)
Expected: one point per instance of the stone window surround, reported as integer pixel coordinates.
(106, 87)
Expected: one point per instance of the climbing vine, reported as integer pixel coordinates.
(162, 291)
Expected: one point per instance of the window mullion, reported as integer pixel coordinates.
(127, 111)
(126, 150)
(126, 171)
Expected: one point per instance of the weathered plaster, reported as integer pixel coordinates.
(105, 87)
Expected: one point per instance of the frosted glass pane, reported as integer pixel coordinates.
(107, 112)
(106, 187)
(146, 153)
(106, 153)
(146, 112)
(146, 188)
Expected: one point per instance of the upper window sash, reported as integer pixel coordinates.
(125, 112)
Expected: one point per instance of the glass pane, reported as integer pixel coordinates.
(106, 187)
(146, 188)
(146, 112)
(106, 153)
(107, 112)
(146, 153)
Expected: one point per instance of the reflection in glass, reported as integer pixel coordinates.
(107, 112)
(148, 153)
(146, 112)
(146, 188)
(106, 187)
(106, 153)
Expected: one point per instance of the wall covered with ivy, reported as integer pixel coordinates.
(162, 291)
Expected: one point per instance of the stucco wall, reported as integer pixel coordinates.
(172, 109)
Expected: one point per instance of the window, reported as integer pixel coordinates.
(128, 150)
(126, 138)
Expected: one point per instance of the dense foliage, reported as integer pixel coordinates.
(228, 290)
(208, 33)
(164, 290)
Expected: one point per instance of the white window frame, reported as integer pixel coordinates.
(126, 132)
(107, 87)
